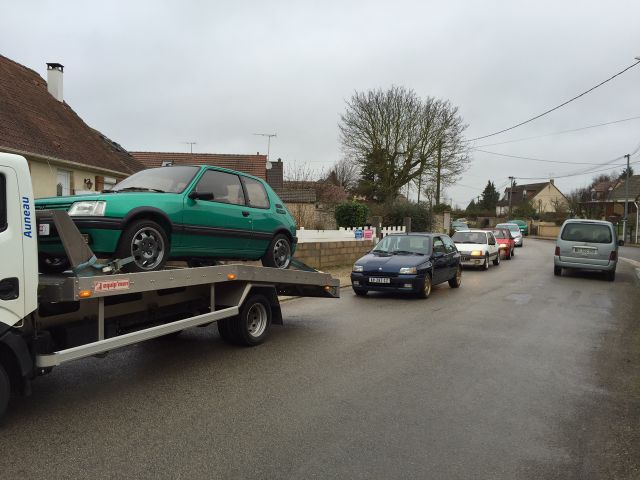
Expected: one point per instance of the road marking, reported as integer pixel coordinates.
(635, 263)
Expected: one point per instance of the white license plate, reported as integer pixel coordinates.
(584, 251)
(44, 229)
(379, 280)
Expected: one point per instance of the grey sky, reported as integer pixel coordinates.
(154, 74)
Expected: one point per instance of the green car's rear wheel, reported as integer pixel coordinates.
(147, 243)
(278, 253)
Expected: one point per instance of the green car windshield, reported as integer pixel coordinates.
(403, 244)
(162, 179)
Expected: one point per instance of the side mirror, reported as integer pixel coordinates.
(195, 195)
(437, 254)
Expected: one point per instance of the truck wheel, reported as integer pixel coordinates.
(278, 254)
(251, 327)
(52, 264)
(147, 243)
(5, 391)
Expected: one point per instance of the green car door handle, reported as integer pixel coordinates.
(245, 213)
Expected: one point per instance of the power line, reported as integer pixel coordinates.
(578, 174)
(561, 132)
(535, 159)
(556, 107)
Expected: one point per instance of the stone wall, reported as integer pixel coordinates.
(329, 254)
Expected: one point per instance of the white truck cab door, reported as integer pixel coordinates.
(18, 242)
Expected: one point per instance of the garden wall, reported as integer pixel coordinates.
(330, 254)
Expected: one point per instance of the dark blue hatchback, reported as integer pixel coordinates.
(410, 263)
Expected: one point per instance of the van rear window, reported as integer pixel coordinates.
(3, 203)
(586, 232)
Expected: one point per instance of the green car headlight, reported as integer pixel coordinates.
(88, 208)
(408, 270)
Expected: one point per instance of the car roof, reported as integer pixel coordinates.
(473, 230)
(586, 220)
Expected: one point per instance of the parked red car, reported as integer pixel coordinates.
(506, 242)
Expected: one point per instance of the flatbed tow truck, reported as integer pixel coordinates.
(48, 320)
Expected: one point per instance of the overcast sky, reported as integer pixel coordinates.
(152, 75)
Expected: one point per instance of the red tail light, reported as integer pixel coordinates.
(613, 256)
(557, 251)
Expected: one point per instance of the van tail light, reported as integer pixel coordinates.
(613, 256)
(557, 251)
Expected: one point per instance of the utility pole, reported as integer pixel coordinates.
(510, 192)
(438, 167)
(191, 144)
(626, 201)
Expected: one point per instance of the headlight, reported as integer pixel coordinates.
(408, 270)
(358, 268)
(92, 208)
(476, 253)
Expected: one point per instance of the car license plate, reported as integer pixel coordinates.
(44, 229)
(584, 251)
(379, 280)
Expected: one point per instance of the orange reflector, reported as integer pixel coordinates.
(231, 276)
(327, 288)
(85, 293)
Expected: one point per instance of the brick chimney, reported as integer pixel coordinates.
(54, 80)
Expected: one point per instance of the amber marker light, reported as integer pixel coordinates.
(231, 276)
(85, 293)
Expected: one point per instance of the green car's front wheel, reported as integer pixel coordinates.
(147, 243)
(278, 254)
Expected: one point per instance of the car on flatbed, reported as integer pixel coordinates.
(477, 248)
(408, 263)
(194, 213)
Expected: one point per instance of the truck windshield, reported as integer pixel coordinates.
(163, 179)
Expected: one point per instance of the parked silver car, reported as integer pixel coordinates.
(587, 245)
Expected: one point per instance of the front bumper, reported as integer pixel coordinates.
(103, 234)
(399, 283)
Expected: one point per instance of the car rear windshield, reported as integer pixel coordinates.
(586, 232)
(500, 233)
(470, 237)
(512, 227)
(163, 179)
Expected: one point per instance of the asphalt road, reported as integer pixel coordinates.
(517, 374)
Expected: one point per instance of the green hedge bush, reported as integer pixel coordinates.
(351, 214)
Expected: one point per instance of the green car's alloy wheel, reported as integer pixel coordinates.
(278, 254)
(52, 264)
(147, 243)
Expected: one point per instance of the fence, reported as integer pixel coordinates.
(344, 234)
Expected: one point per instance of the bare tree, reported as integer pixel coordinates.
(345, 173)
(392, 135)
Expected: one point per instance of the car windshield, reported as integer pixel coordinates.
(500, 233)
(586, 232)
(403, 245)
(163, 179)
(469, 237)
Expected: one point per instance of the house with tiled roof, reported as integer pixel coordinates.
(544, 197)
(65, 155)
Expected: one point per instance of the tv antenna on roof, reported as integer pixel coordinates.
(269, 136)
(191, 144)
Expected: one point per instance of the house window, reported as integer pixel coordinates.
(109, 183)
(63, 183)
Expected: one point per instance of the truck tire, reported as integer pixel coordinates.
(251, 326)
(5, 391)
(278, 254)
(147, 242)
(52, 264)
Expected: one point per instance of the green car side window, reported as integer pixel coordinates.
(257, 194)
(226, 187)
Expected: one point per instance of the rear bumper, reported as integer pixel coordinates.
(568, 262)
(401, 283)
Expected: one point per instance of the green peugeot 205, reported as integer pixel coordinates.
(196, 213)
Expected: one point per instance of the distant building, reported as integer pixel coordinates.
(65, 155)
(544, 197)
